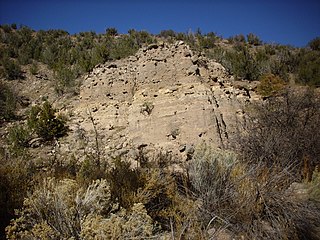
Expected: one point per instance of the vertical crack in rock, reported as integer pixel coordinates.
(219, 131)
(219, 121)
(224, 126)
(217, 115)
(221, 127)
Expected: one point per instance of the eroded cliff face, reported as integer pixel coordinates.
(163, 97)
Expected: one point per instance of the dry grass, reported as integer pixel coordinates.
(250, 200)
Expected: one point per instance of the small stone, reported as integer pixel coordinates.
(119, 146)
(190, 149)
(193, 70)
(168, 91)
(152, 46)
(35, 143)
(194, 59)
(187, 54)
(182, 148)
(112, 66)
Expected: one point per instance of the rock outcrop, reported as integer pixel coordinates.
(165, 96)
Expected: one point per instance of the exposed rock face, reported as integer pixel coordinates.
(164, 96)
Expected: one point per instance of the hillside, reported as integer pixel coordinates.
(187, 136)
(165, 96)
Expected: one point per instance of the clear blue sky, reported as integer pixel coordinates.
(281, 21)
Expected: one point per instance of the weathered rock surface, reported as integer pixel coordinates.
(165, 96)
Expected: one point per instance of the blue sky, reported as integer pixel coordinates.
(281, 21)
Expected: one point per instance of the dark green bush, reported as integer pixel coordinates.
(308, 69)
(141, 37)
(248, 62)
(124, 182)
(14, 26)
(8, 102)
(34, 68)
(167, 34)
(237, 39)
(89, 170)
(207, 41)
(11, 69)
(45, 123)
(270, 49)
(253, 39)
(18, 138)
(65, 78)
(314, 44)
(242, 63)
(123, 47)
(25, 54)
(16, 174)
(111, 31)
(25, 34)
(6, 28)
(49, 55)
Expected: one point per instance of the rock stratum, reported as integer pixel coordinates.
(165, 97)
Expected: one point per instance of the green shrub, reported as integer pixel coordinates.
(285, 61)
(16, 174)
(270, 49)
(167, 34)
(166, 201)
(243, 63)
(219, 55)
(11, 69)
(25, 34)
(206, 41)
(8, 102)
(141, 37)
(253, 39)
(65, 78)
(19, 137)
(314, 44)
(6, 28)
(48, 56)
(123, 47)
(308, 69)
(14, 26)
(124, 182)
(34, 68)
(89, 170)
(111, 31)
(209, 172)
(25, 54)
(45, 123)
(314, 185)
(237, 39)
